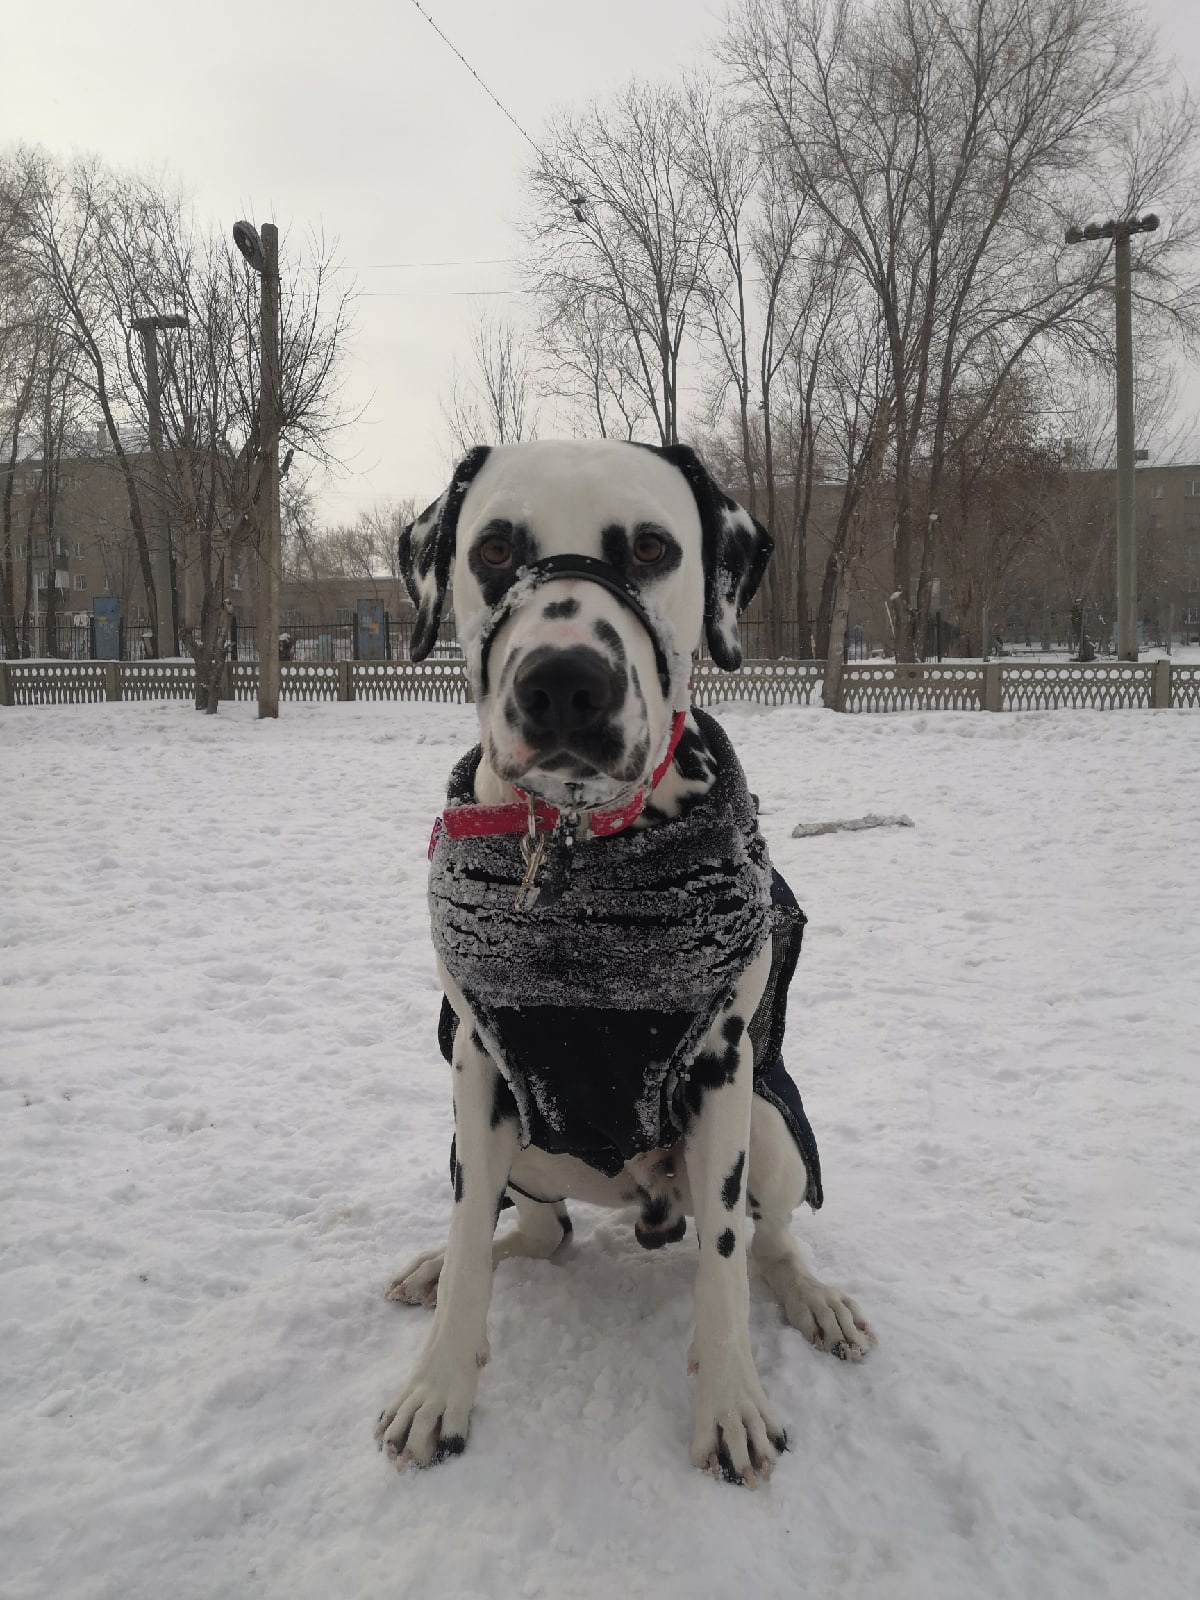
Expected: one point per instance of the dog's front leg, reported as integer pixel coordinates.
(429, 1418)
(736, 1432)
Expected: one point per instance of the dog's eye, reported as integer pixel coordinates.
(649, 548)
(496, 550)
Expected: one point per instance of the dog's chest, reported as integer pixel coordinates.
(595, 1004)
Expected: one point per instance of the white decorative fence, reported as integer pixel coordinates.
(866, 686)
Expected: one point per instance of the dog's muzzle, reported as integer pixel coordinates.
(565, 692)
(594, 571)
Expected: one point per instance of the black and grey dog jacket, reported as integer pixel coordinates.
(595, 1004)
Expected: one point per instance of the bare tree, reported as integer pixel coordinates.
(110, 249)
(948, 141)
(999, 483)
(619, 223)
(492, 403)
(1076, 531)
(365, 548)
(66, 223)
(589, 366)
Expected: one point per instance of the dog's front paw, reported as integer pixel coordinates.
(827, 1319)
(430, 1418)
(737, 1436)
(417, 1284)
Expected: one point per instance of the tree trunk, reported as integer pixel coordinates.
(210, 652)
(835, 659)
(825, 605)
(8, 602)
(136, 520)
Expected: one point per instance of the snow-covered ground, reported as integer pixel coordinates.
(224, 1122)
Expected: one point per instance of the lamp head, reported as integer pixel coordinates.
(245, 236)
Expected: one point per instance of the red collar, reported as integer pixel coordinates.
(474, 821)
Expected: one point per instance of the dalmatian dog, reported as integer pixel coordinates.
(584, 576)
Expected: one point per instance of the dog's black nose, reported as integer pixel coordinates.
(562, 692)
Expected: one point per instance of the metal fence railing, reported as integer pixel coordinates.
(68, 640)
(305, 640)
(865, 686)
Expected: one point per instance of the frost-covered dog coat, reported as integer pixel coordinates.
(595, 1003)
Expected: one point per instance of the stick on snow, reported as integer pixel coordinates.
(806, 830)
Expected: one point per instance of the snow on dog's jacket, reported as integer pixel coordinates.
(596, 1003)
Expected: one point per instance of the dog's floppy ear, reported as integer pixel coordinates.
(426, 552)
(736, 550)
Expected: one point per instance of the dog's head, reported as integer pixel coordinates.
(584, 576)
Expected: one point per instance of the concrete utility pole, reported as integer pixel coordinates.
(148, 327)
(260, 247)
(1120, 234)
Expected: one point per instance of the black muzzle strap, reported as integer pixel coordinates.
(594, 571)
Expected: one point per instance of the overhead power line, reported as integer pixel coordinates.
(394, 266)
(432, 294)
(491, 96)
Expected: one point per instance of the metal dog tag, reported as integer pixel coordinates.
(532, 851)
(560, 854)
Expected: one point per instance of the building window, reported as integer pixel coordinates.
(1193, 487)
(39, 545)
(235, 580)
(344, 615)
(80, 581)
(79, 549)
(1156, 492)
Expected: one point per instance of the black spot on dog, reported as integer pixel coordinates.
(655, 1238)
(726, 1242)
(614, 546)
(729, 1472)
(731, 1189)
(713, 1069)
(607, 634)
(504, 1105)
(494, 582)
(458, 1181)
(452, 1445)
(692, 757)
(635, 764)
(556, 609)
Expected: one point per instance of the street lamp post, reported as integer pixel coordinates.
(1120, 232)
(165, 639)
(260, 247)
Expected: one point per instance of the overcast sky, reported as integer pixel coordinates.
(355, 116)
